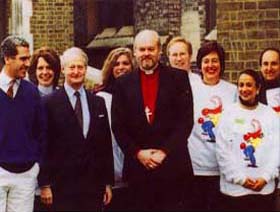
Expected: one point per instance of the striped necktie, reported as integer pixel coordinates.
(10, 91)
(78, 109)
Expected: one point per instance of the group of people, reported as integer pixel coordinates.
(152, 137)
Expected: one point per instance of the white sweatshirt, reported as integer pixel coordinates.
(239, 132)
(209, 102)
(273, 99)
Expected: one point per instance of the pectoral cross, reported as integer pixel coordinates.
(148, 113)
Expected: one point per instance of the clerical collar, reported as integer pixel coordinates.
(149, 72)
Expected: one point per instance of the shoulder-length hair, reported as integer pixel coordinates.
(109, 63)
(207, 48)
(51, 57)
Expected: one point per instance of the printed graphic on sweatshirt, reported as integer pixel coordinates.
(209, 118)
(250, 143)
(273, 99)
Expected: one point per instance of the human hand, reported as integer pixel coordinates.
(108, 195)
(145, 157)
(158, 156)
(249, 183)
(259, 184)
(46, 195)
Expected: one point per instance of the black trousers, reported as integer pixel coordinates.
(72, 202)
(158, 195)
(120, 200)
(248, 203)
(204, 194)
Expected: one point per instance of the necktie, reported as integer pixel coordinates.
(78, 109)
(10, 91)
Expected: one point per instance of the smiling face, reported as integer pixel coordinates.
(75, 71)
(122, 65)
(247, 89)
(44, 73)
(270, 66)
(211, 68)
(179, 56)
(18, 65)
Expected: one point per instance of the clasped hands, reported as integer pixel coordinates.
(151, 158)
(254, 184)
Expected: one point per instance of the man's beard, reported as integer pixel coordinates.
(146, 66)
(249, 104)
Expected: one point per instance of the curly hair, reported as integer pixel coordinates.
(254, 74)
(207, 48)
(51, 57)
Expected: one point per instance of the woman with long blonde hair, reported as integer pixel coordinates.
(118, 62)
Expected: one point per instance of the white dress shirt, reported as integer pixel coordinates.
(5, 81)
(86, 116)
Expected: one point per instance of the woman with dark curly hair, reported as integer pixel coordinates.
(45, 69)
(247, 149)
(210, 97)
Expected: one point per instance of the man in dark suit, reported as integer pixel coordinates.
(152, 117)
(78, 170)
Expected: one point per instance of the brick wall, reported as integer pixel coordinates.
(245, 28)
(52, 24)
(164, 16)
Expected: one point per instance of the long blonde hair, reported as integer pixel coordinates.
(109, 63)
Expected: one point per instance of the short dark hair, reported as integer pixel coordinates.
(208, 47)
(254, 74)
(51, 57)
(268, 49)
(9, 46)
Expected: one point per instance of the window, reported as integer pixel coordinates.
(210, 6)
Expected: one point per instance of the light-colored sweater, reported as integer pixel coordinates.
(209, 102)
(248, 143)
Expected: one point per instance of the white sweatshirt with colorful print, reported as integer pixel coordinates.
(248, 144)
(209, 102)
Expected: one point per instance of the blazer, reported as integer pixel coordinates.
(73, 163)
(171, 127)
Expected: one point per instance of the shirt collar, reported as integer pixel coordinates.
(5, 79)
(70, 91)
(149, 72)
(45, 90)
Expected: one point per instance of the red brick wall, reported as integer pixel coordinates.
(245, 28)
(52, 24)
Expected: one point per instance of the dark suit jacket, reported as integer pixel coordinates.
(74, 164)
(172, 124)
(267, 85)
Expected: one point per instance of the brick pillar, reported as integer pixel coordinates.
(245, 28)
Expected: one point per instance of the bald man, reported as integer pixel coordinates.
(152, 115)
(270, 72)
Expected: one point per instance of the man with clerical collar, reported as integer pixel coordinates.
(152, 115)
